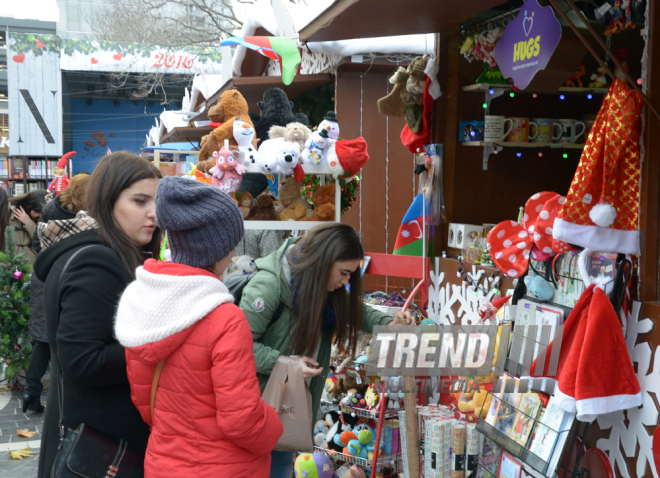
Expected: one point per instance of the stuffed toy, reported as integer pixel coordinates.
(280, 156)
(356, 471)
(61, 181)
(365, 444)
(230, 105)
(323, 198)
(576, 79)
(201, 177)
(279, 207)
(276, 110)
(343, 439)
(244, 137)
(394, 392)
(293, 133)
(406, 97)
(371, 397)
(331, 126)
(316, 465)
(539, 287)
(347, 157)
(227, 172)
(315, 147)
(245, 203)
(263, 210)
(295, 207)
(288, 158)
(330, 388)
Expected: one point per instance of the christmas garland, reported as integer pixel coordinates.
(349, 190)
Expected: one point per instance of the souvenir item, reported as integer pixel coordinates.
(511, 244)
(490, 459)
(543, 130)
(506, 412)
(510, 467)
(61, 181)
(551, 432)
(227, 172)
(244, 137)
(494, 128)
(471, 131)
(524, 422)
(519, 132)
(601, 211)
(572, 130)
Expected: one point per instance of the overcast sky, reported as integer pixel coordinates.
(44, 10)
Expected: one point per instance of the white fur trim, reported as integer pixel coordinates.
(589, 408)
(598, 238)
(156, 306)
(606, 284)
(563, 401)
(333, 162)
(603, 215)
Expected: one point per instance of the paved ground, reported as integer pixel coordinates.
(12, 419)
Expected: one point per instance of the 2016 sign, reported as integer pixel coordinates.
(169, 60)
(528, 43)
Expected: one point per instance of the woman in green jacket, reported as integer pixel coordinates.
(308, 277)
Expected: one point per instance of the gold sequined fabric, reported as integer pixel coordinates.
(610, 163)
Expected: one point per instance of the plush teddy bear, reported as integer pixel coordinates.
(280, 156)
(293, 133)
(288, 158)
(245, 203)
(276, 110)
(323, 198)
(230, 105)
(263, 210)
(295, 208)
(406, 97)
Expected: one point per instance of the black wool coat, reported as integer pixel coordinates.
(82, 343)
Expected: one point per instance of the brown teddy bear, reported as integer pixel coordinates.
(264, 210)
(293, 133)
(230, 105)
(245, 203)
(323, 198)
(295, 207)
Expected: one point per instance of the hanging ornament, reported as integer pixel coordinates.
(18, 275)
(7, 288)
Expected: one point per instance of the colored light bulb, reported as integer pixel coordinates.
(519, 154)
(491, 91)
(565, 155)
(562, 97)
(512, 94)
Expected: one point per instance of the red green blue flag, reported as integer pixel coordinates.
(282, 49)
(409, 240)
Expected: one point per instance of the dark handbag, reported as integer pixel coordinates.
(89, 453)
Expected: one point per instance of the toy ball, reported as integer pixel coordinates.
(356, 472)
(315, 465)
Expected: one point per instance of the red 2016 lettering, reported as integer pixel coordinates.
(169, 61)
(188, 62)
(159, 62)
(179, 63)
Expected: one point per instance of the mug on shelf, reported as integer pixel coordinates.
(470, 131)
(571, 131)
(544, 130)
(494, 128)
(519, 130)
(589, 121)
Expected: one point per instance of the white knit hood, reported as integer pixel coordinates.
(157, 306)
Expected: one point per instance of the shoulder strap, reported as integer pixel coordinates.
(60, 377)
(154, 387)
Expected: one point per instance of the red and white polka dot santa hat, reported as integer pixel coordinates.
(511, 244)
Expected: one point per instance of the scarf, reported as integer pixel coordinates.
(52, 232)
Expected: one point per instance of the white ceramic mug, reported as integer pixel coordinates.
(570, 129)
(494, 128)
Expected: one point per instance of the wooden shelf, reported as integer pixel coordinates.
(511, 144)
(483, 87)
(282, 225)
(309, 169)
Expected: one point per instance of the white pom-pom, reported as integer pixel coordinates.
(603, 214)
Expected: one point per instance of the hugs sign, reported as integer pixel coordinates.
(528, 43)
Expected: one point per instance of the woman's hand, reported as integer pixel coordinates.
(309, 368)
(403, 318)
(22, 216)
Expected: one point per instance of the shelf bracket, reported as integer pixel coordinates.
(497, 92)
(489, 148)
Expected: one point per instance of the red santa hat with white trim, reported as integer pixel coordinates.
(347, 156)
(595, 373)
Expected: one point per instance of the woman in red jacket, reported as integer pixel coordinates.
(209, 419)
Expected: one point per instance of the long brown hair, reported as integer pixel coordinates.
(114, 173)
(311, 263)
(32, 201)
(73, 197)
(4, 218)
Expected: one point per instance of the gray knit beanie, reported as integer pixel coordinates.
(203, 224)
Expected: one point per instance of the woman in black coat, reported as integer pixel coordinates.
(79, 306)
(64, 206)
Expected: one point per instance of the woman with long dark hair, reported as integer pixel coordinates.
(118, 233)
(64, 206)
(306, 280)
(4, 218)
(24, 211)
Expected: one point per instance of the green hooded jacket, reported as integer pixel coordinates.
(260, 299)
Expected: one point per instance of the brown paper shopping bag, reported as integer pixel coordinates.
(287, 392)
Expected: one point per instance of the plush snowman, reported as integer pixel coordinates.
(331, 125)
(315, 147)
(244, 135)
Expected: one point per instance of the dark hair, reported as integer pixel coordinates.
(73, 197)
(311, 263)
(81, 173)
(114, 173)
(32, 201)
(4, 218)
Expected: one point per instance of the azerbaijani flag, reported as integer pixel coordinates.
(409, 240)
(282, 49)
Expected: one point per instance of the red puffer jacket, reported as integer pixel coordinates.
(209, 418)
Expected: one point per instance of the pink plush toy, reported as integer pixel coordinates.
(227, 173)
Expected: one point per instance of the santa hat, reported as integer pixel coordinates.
(489, 310)
(347, 156)
(64, 160)
(601, 208)
(595, 373)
